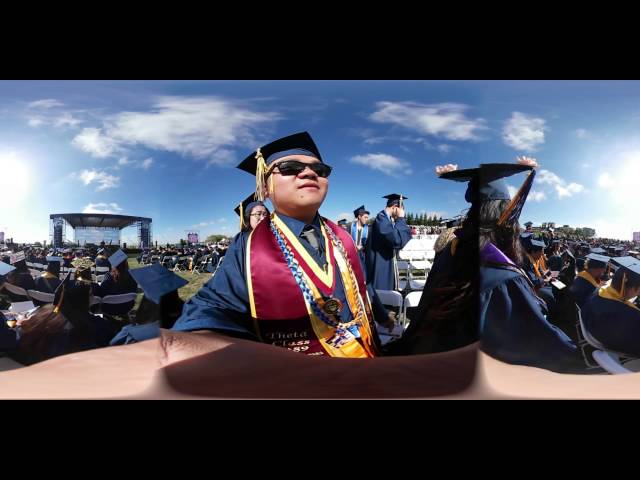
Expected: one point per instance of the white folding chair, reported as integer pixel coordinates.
(403, 274)
(15, 290)
(41, 296)
(608, 360)
(411, 300)
(101, 270)
(390, 298)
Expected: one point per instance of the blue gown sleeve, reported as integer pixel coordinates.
(223, 302)
(394, 236)
(515, 330)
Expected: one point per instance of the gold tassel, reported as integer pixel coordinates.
(242, 222)
(624, 280)
(261, 172)
(57, 307)
(514, 201)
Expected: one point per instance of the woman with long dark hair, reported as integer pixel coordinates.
(63, 327)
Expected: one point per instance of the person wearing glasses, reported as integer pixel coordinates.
(295, 279)
(251, 212)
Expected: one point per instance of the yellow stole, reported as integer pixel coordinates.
(535, 265)
(611, 293)
(48, 275)
(587, 276)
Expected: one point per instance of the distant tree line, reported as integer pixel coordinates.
(423, 219)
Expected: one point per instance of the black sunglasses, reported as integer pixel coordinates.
(294, 167)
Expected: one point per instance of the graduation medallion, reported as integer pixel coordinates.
(332, 306)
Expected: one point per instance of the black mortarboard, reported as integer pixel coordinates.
(394, 199)
(156, 281)
(597, 261)
(298, 143)
(360, 211)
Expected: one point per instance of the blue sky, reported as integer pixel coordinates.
(167, 149)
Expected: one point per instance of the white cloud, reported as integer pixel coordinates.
(605, 180)
(523, 132)
(146, 164)
(512, 190)
(444, 148)
(203, 128)
(45, 103)
(35, 121)
(446, 120)
(102, 179)
(387, 164)
(124, 161)
(581, 133)
(44, 112)
(102, 208)
(562, 188)
(65, 119)
(348, 216)
(568, 190)
(536, 196)
(95, 143)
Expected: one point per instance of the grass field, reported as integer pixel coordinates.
(196, 281)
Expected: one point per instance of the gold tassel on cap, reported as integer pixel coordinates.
(242, 222)
(261, 172)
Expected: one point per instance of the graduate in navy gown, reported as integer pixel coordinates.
(20, 277)
(513, 323)
(360, 230)
(447, 316)
(588, 281)
(260, 292)
(251, 212)
(388, 234)
(117, 282)
(540, 279)
(610, 316)
(7, 335)
(101, 259)
(49, 281)
(160, 306)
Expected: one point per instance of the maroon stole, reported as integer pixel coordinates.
(281, 315)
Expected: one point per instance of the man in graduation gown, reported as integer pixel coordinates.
(588, 281)
(360, 230)
(20, 277)
(295, 280)
(49, 281)
(610, 316)
(389, 233)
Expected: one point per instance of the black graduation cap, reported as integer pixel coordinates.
(528, 224)
(72, 295)
(596, 260)
(360, 211)
(244, 209)
(630, 265)
(117, 258)
(486, 181)
(394, 199)
(298, 143)
(342, 221)
(598, 250)
(156, 281)
(5, 269)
